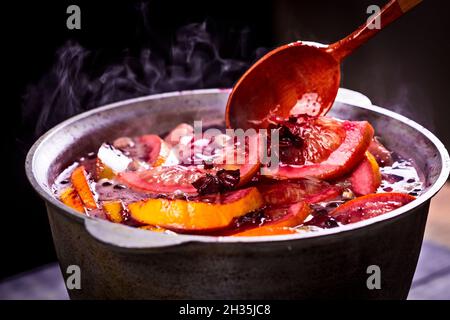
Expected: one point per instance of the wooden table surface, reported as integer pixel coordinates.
(432, 278)
(438, 224)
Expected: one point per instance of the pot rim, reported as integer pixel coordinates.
(354, 98)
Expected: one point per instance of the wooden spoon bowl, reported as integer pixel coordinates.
(300, 77)
(279, 80)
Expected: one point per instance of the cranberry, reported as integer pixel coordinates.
(322, 221)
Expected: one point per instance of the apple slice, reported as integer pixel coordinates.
(366, 178)
(180, 131)
(157, 149)
(248, 153)
(110, 161)
(163, 179)
(328, 193)
(288, 192)
(290, 216)
(369, 206)
(211, 212)
(381, 154)
(169, 179)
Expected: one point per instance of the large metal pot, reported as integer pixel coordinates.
(123, 262)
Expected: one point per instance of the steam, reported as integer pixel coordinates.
(411, 102)
(78, 81)
(402, 94)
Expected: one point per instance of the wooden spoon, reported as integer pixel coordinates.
(300, 77)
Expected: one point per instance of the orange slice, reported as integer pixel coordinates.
(102, 171)
(197, 215)
(266, 231)
(70, 198)
(282, 221)
(113, 210)
(152, 228)
(81, 184)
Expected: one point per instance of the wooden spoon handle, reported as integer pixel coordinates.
(390, 12)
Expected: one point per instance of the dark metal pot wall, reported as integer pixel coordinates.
(120, 262)
(333, 266)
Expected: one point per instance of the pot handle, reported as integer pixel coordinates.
(124, 237)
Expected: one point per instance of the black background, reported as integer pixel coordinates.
(405, 68)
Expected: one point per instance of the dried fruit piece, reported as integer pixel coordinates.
(246, 171)
(70, 198)
(197, 215)
(322, 221)
(223, 180)
(80, 182)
